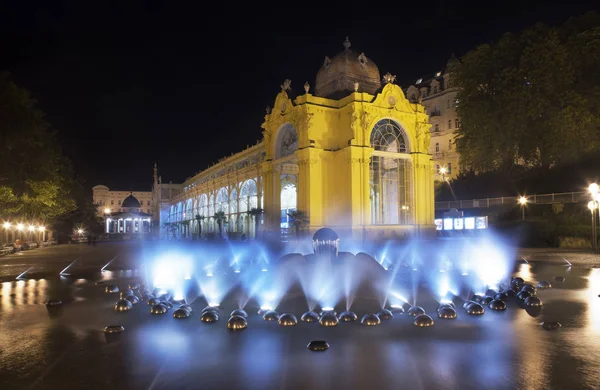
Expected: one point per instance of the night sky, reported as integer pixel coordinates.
(128, 83)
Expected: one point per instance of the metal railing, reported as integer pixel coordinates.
(564, 197)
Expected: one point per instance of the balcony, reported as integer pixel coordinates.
(435, 113)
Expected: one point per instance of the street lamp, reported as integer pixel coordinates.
(6, 226)
(443, 171)
(592, 207)
(523, 203)
(107, 211)
(42, 229)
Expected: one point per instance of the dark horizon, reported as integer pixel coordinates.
(130, 85)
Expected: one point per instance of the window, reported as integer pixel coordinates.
(148, 203)
(388, 137)
(112, 201)
(449, 144)
(437, 147)
(449, 168)
(437, 127)
(435, 89)
(412, 97)
(437, 169)
(390, 176)
(449, 104)
(456, 123)
(119, 202)
(449, 124)
(424, 92)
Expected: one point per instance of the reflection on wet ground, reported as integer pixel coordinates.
(66, 347)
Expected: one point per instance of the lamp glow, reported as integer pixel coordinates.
(592, 205)
(443, 170)
(523, 200)
(41, 228)
(593, 188)
(6, 225)
(31, 228)
(20, 226)
(80, 231)
(107, 211)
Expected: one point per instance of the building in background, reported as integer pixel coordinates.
(353, 155)
(108, 201)
(124, 212)
(437, 94)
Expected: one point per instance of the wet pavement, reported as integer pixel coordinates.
(67, 348)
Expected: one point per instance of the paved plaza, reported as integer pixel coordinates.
(42, 349)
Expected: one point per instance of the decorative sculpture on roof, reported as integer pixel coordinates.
(388, 78)
(287, 85)
(356, 85)
(362, 59)
(347, 44)
(306, 87)
(268, 110)
(327, 62)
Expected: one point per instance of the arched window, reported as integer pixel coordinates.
(449, 124)
(437, 147)
(233, 200)
(204, 205)
(387, 137)
(435, 89)
(288, 199)
(390, 175)
(222, 201)
(450, 144)
(248, 198)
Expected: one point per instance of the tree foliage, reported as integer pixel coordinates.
(531, 98)
(36, 180)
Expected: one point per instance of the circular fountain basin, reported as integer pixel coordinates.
(239, 312)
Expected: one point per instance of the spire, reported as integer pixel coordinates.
(155, 174)
(347, 44)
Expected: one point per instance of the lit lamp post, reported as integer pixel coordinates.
(523, 203)
(42, 229)
(592, 207)
(6, 226)
(31, 230)
(20, 227)
(443, 171)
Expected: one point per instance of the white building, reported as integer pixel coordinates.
(108, 201)
(438, 96)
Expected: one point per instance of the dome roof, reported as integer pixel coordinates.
(131, 202)
(337, 76)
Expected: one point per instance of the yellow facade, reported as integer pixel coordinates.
(333, 160)
(355, 160)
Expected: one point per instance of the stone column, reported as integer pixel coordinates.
(271, 197)
(423, 193)
(309, 186)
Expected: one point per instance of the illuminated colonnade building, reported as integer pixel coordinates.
(352, 156)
